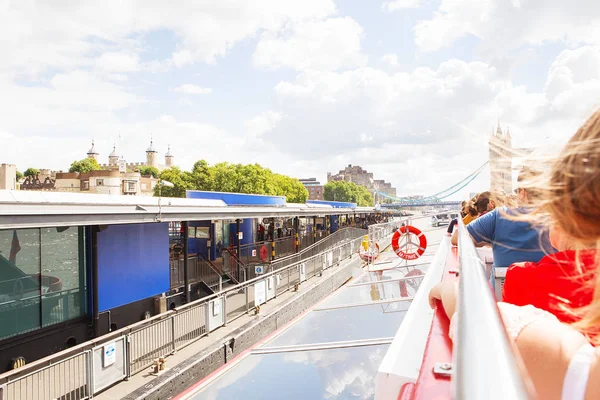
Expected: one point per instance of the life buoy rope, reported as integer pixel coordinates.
(399, 250)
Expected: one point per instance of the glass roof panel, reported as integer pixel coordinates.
(337, 374)
(373, 292)
(355, 323)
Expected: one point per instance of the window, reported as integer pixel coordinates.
(131, 186)
(99, 182)
(86, 185)
(42, 278)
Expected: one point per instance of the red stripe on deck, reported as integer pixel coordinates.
(438, 348)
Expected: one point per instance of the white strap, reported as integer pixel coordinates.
(578, 373)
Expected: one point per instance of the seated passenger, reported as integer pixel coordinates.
(512, 241)
(559, 359)
(468, 213)
(558, 283)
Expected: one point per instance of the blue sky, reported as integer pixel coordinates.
(409, 89)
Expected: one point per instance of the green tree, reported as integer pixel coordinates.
(85, 166)
(348, 192)
(31, 172)
(180, 179)
(148, 170)
(291, 188)
(19, 176)
(201, 176)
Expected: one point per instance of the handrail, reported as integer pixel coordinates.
(210, 264)
(239, 263)
(486, 367)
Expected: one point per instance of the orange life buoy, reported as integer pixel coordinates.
(409, 230)
(264, 253)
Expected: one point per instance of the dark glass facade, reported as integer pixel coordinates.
(42, 278)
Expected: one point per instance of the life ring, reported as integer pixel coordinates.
(405, 230)
(370, 254)
(263, 253)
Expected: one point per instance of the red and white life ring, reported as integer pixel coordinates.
(406, 230)
(369, 255)
(263, 253)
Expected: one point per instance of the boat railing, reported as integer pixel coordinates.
(139, 345)
(422, 362)
(486, 366)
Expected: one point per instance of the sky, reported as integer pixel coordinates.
(408, 89)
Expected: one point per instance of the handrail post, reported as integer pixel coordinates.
(186, 274)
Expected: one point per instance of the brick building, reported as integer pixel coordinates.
(361, 177)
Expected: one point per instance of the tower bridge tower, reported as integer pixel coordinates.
(501, 155)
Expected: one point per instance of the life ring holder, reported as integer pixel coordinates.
(399, 250)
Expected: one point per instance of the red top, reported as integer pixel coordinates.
(552, 281)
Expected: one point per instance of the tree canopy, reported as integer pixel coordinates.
(31, 172)
(85, 166)
(234, 178)
(19, 176)
(148, 170)
(348, 192)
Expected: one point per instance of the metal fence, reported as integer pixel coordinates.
(81, 371)
(199, 269)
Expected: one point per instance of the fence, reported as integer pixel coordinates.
(80, 372)
(199, 269)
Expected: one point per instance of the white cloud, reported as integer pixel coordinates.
(261, 124)
(390, 59)
(43, 34)
(395, 5)
(190, 88)
(329, 44)
(118, 62)
(506, 25)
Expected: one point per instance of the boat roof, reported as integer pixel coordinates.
(28, 209)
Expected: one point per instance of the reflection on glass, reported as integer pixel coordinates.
(42, 278)
(393, 273)
(367, 322)
(324, 374)
(374, 292)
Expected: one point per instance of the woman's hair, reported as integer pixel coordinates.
(572, 200)
(482, 202)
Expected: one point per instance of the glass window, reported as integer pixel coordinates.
(99, 182)
(42, 278)
(347, 373)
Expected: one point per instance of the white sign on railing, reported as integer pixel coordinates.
(260, 293)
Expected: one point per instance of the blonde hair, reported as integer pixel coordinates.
(571, 198)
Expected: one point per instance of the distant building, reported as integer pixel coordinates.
(315, 189)
(8, 177)
(501, 155)
(363, 178)
(117, 161)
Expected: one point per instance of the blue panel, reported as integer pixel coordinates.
(133, 263)
(232, 199)
(247, 228)
(335, 223)
(334, 204)
(200, 246)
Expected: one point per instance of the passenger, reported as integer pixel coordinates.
(468, 214)
(512, 241)
(558, 283)
(559, 358)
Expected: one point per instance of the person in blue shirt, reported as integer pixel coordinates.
(512, 240)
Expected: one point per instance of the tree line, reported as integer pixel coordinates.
(348, 192)
(234, 178)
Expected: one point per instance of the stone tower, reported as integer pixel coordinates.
(113, 158)
(92, 153)
(501, 154)
(151, 156)
(169, 158)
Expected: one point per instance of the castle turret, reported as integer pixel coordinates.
(169, 158)
(500, 153)
(151, 156)
(92, 153)
(113, 158)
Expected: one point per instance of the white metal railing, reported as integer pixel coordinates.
(486, 367)
(159, 336)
